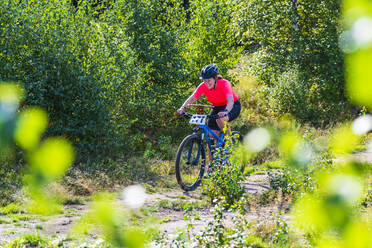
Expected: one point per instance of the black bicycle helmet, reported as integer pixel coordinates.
(209, 71)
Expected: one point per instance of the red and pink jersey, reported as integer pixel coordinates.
(217, 96)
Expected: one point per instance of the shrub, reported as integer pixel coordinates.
(298, 56)
(224, 175)
(52, 53)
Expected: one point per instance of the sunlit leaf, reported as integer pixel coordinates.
(358, 234)
(257, 139)
(344, 140)
(31, 124)
(359, 77)
(309, 214)
(358, 18)
(327, 240)
(43, 205)
(347, 188)
(134, 238)
(53, 158)
(10, 93)
(288, 143)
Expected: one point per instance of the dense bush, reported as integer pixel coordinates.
(51, 51)
(299, 63)
(111, 78)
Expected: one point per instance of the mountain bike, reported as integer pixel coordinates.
(190, 159)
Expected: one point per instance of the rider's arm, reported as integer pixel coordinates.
(229, 106)
(197, 93)
(189, 101)
(230, 103)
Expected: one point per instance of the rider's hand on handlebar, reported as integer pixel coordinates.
(222, 114)
(181, 110)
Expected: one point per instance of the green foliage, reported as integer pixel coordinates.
(10, 209)
(113, 222)
(280, 235)
(29, 240)
(218, 234)
(224, 175)
(358, 50)
(10, 96)
(47, 159)
(109, 79)
(54, 53)
(295, 181)
(299, 64)
(210, 36)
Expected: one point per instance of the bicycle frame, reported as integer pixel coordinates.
(205, 133)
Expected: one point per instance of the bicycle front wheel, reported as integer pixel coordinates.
(190, 162)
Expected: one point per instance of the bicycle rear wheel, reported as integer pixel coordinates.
(190, 162)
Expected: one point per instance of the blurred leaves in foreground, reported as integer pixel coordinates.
(47, 159)
(332, 215)
(113, 219)
(356, 42)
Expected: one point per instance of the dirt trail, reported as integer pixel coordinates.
(255, 184)
(61, 225)
(173, 218)
(364, 156)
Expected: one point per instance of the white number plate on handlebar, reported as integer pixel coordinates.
(198, 119)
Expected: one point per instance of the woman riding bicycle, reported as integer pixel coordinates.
(220, 94)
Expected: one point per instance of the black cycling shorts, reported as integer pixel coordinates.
(232, 115)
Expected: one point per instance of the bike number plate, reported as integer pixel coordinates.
(198, 119)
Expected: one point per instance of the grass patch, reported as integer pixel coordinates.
(360, 148)
(74, 200)
(11, 232)
(71, 212)
(149, 210)
(29, 240)
(19, 217)
(4, 221)
(165, 220)
(12, 208)
(263, 168)
(181, 204)
(39, 227)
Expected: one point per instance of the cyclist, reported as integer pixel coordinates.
(220, 94)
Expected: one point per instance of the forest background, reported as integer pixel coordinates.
(110, 75)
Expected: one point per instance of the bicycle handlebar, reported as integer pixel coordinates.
(200, 105)
(215, 116)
